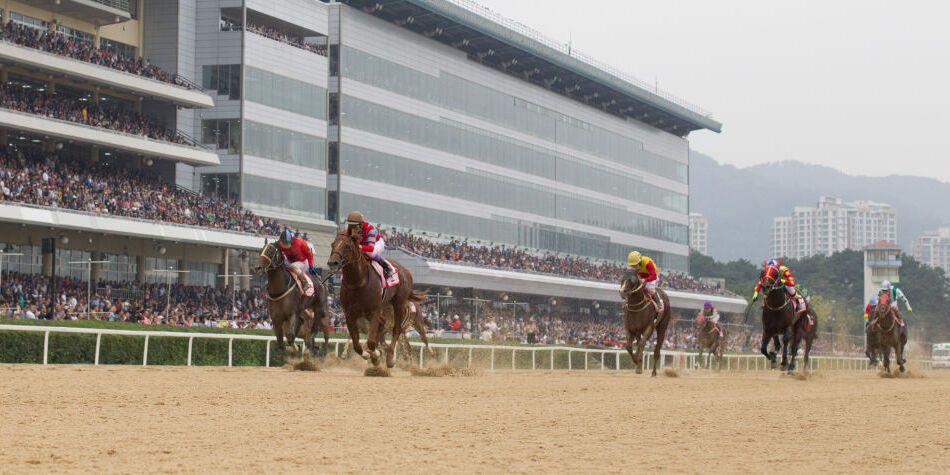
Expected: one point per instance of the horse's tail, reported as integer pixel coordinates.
(417, 296)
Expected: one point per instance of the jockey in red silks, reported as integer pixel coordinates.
(787, 279)
(299, 256)
(371, 244)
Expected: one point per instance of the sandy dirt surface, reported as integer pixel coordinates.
(130, 419)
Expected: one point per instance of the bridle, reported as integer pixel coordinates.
(641, 304)
(273, 263)
(884, 304)
(771, 287)
(341, 262)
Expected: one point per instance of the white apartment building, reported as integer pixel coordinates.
(698, 233)
(831, 226)
(933, 248)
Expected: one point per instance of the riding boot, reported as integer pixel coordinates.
(658, 304)
(802, 306)
(304, 281)
(387, 269)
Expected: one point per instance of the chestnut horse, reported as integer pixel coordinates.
(362, 296)
(712, 337)
(640, 319)
(287, 306)
(778, 315)
(889, 333)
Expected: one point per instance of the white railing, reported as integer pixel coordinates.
(593, 359)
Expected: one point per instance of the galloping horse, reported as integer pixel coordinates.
(805, 327)
(889, 333)
(363, 297)
(712, 337)
(638, 319)
(778, 315)
(415, 320)
(286, 304)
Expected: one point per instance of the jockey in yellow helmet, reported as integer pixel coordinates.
(648, 273)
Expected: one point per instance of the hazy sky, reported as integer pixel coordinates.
(862, 86)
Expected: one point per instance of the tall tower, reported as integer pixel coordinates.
(881, 262)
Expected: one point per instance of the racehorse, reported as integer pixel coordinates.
(778, 315)
(712, 338)
(890, 333)
(805, 327)
(289, 307)
(415, 319)
(363, 297)
(639, 313)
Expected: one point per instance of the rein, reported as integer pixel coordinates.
(643, 303)
(345, 262)
(272, 266)
(771, 289)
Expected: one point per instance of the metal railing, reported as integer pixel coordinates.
(119, 4)
(491, 357)
(535, 35)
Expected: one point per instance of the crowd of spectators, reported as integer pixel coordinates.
(106, 114)
(108, 188)
(56, 43)
(276, 35)
(512, 258)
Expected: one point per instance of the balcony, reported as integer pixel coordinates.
(100, 12)
(101, 75)
(49, 127)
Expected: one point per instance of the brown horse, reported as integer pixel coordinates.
(415, 319)
(804, 328)
(640, 319)
(889, 333)
(363, 297)
(778, 315)
(712, 338)
(291, 312)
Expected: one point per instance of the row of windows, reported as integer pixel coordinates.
(284, 93)
(461, 139)
(224, 78)
(501, 230)
(483, 187)
(288, 146)
(457, 93)
(284, 196)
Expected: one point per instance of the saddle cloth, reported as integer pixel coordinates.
(309, 292)
(393, 281)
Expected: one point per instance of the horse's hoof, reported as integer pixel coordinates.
(903, 369)
(365, 355)
(639, 371)
(653, 374)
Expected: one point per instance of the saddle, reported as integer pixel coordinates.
(393, 281)
(310, 289)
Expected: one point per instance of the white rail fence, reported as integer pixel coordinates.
(492, 357)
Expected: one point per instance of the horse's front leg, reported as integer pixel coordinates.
(354, 330)
(699, 358)
(399, 313)
(376, 323)
(660, 338)
(279, 333)
(764, 349)
(638, 358)
(886, 358)
(793, 352)
(629, 348)
(785, 339)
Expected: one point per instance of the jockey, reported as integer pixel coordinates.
(648, 273)
(788, 280)
(896, 295)
(709, 313)
(371, 243)
(868, 309)
(299, 256)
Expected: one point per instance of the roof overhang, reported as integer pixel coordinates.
(101, 12)
(529, 56)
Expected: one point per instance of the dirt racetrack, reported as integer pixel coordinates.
(131, 419)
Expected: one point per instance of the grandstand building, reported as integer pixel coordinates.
(433, 117)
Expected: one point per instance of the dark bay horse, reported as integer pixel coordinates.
(778, 315)
(804, 328)
(363, 297)
(291, 312)
(639, 314)
(712, 338)
(889, 333)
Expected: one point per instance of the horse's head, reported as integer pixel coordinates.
(771, 279)
(270, 258)
(883, 304)
(343, 251)
(635, 284)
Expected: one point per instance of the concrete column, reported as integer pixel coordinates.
(225, 268)
(140, 268)
(96, 38)
(95, 269)
(182, 277)
(47, 264)
(246, 270)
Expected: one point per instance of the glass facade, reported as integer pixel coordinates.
(224, 78)
(500, 230)
(288, 146)
(284, 196)
(506, 192)
(456, 93)
(281, 92)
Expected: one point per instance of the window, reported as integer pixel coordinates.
(74, 34)
(122, 49)
(225, 185)
(28, 21)
(222, 133)
(281, 92)
(224, 78)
